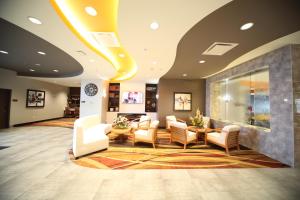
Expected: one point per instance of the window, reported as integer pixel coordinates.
(243, 99)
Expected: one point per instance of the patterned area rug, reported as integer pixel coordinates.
(173, 156)
(62, 122)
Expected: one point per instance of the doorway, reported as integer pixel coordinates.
(5, 97)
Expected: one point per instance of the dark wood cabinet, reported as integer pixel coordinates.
(151, 98)
(74, 97)
(113, 97)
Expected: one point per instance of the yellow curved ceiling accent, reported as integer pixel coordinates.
(98, 32)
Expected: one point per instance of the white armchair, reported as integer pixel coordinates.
(181, 134)
(143, 122)
(146, 135)
(228, 138)
(170, 119)
(89, 135)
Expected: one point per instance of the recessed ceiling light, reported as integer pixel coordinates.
(121, 55)
(32, 70)
(42, 53)
(184, 75)
(56, 70)
(154, 62)
(92, 60)
(38, 64)
(34, 20)
(202, 61)
(90, 10)
(154, 25)
(247, 26)
(4, 52)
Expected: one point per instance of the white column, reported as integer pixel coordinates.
(96, 104)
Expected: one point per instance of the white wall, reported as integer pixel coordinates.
(130, 108)
(55, 102)
(94, 105)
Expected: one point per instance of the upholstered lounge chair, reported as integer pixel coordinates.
(142, 123)
(172, 118)
(180, 133)
(228, 138)
(89, 135)
(146, 135)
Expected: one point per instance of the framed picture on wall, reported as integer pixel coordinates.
(182, 101)
(35, 98)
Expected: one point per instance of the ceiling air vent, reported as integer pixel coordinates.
(81, 52)
(219, 48)
(108, 39)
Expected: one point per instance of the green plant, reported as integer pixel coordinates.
(120, 122)
(197, 120)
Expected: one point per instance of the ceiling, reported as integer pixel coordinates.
(271, 21)
(153, 51)
(185, 31)
(22, 47)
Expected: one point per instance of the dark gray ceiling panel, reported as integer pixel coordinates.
(272, 19)
(22, 47)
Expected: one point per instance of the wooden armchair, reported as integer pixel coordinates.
(146, 135)
(172, 118)
(181, 134)
(68, 112)
(228, 138)
(141, 123)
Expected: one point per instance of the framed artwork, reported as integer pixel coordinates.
(35, 98)
(182, 101)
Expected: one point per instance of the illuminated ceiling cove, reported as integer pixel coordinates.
(95, 23)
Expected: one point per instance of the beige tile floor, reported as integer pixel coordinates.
(37, 166)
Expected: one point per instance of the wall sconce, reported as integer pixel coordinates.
(226, 98)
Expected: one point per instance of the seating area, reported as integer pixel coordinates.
(90, 135)
(136, 99)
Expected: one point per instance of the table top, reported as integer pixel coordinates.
(121, 130)
(197, 129)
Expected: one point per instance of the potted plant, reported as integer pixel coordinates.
(197, 120)
(121, 122)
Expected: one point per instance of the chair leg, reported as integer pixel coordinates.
(184, 146)
(227, 151)
(153, 145)
(238, 147)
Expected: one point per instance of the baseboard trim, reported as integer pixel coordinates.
(27, 123)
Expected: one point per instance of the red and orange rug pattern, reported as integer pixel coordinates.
(173, 156)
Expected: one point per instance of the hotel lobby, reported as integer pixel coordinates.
(136, 99)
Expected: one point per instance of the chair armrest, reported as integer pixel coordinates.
(148, 120)
(181, 120)
(219, 130)
(135, 120)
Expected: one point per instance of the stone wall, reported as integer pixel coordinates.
(278, 141)
(296, 87)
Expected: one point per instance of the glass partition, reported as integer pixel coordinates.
(243, 99)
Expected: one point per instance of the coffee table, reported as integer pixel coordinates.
(121, 133)
(201, 132)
